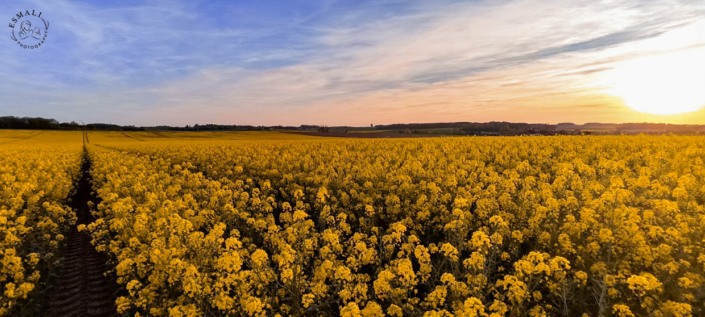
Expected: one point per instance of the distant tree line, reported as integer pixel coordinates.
(514, 128)
(473, 128)
(223, 127)
(37, 123)
(28, 123)
(458, 128)
(493, 126)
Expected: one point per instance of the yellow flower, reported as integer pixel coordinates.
(622, 311)
(395, 310)
(372, 310)
(449, 251)
(643, 283)
(350, 310)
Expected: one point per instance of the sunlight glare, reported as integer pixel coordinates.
(663, 84)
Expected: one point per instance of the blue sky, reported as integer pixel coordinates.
(340, 62)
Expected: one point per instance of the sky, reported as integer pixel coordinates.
(356, 63)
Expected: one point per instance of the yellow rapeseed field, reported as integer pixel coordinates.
(37, 172)
(273, 224)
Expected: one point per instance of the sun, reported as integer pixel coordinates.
(664, 84)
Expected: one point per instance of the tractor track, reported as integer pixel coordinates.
(82, 288)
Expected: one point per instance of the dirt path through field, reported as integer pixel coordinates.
(81, 289)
